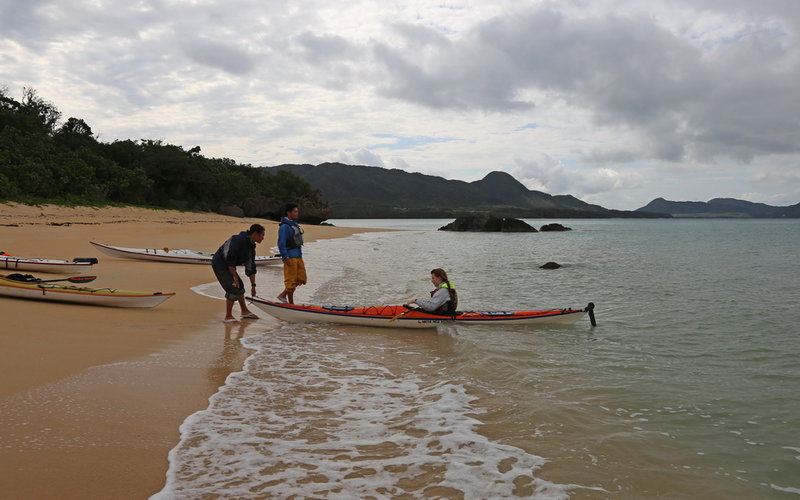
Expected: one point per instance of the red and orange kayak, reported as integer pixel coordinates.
(402, 317)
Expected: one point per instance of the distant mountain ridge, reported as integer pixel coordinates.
(356, 191)
(720, 207)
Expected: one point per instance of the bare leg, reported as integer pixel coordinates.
(243, 305)
(229, 309)
(283, 294)
(290, 296)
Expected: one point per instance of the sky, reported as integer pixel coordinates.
(616, 102)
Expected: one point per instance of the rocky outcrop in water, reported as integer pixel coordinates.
(555, 227)
(488, 223)
(550, 265)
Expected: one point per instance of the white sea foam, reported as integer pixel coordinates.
(309, 418)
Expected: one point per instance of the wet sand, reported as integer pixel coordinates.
(91, 398)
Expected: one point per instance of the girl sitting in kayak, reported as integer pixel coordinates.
(444, 298)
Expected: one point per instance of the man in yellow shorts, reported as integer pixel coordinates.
(290, 243)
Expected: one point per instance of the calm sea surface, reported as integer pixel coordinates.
(689, 387)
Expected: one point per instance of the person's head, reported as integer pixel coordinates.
(438, 276)
(291, 211)
(257, 232)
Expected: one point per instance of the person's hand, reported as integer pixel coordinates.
(236, 281)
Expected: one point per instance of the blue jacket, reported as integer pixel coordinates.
(285, 236)
(238, 250)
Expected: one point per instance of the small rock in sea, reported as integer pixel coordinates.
(550, 265)
(555, 227)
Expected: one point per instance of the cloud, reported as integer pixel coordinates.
(224, 56)
(402, 142)
(360, 157)
(544, 173)
(683, 100)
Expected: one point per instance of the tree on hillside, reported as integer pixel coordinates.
(42, 161)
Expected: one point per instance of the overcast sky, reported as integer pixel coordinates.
(616, 102)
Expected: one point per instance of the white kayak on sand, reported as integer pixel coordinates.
(170, 255)
(28, 287)
(76, 266)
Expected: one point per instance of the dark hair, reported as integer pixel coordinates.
(440, 273)
(256, 228)
(289, 207)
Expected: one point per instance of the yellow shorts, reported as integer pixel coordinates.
(294, 273)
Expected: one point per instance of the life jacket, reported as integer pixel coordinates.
(296, 241)
(451, 305)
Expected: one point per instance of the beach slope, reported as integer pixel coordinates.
(91, 398)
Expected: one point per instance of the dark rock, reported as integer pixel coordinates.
(511, 225)
(261, 206)
(550, 265)
(488, 223)
(178, 204)
(314, 214)
(271, 208)
(555, 227)
(231, 210)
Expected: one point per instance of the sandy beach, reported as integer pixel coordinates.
(91, 398)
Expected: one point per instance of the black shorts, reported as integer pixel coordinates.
(225, 279)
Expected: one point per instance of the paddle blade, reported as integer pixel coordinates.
(81, 279)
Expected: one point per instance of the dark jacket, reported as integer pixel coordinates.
(238, 250)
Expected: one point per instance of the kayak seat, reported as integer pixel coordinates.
(338, 308)
(448, 315)
(27, 278)
(90, 260)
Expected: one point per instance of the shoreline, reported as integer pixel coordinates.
(93, 396)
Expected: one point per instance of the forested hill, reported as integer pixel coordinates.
(721, 207)
(368, 192)
(45, 160)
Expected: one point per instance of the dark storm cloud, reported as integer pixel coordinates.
(737, 98)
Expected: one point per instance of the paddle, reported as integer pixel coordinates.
(408, 310)
(74, 279)
(27, 278)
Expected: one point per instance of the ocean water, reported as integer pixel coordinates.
(689, 387)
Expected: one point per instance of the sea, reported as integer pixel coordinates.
(688, 387)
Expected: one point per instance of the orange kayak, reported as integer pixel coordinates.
(401, 317)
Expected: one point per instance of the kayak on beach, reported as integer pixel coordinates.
(403, 317)
(170, 255)
(30, 287)
(76, 266)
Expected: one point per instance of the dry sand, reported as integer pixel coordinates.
(91, 398)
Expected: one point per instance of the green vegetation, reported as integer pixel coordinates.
(374, 192)
(43, 161)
